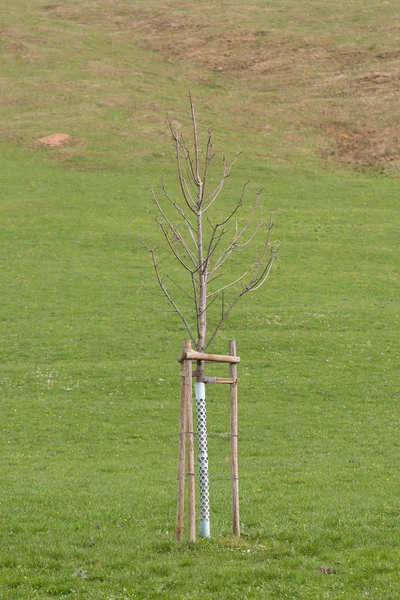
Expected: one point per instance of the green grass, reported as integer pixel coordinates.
(89, 382)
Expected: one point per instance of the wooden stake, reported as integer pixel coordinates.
(205, 379)
(190, 448)
(234, 442)
(181, 452)
(199, 356)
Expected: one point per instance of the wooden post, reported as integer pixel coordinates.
(190, 449)
(200, 358)
(181, 452)
(234, 442)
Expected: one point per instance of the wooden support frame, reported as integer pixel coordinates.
(186, 434)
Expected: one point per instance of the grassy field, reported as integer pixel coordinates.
(89, 382)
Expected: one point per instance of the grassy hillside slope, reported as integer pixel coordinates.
(88, 379)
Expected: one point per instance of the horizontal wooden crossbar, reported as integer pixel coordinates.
(219, 358)
(204, 379)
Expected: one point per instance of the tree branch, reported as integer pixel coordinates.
(208, 157)
(228, 285)
(207, 306)
(196, 145)
(176, 206)
(190, 254)
(188, 199)
(188, 160)
(177, 239)
(180, 287)
(255, 282)
(213, 237)
(227, 169)
(166, 294)
(228, 251)
(151, 291)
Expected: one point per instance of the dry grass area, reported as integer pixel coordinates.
(322, 78)
(346, 91)
(362, 119)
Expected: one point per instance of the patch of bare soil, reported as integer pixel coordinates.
(326, 570)
(56, 140)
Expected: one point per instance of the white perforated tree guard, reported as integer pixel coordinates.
(201, 416)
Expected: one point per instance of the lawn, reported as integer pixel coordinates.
(88, 378)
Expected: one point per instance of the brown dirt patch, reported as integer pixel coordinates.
(326, 570)
(56, 140)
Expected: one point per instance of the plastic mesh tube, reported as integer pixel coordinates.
(201, 416)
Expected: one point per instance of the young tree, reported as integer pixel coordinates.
(201, 246)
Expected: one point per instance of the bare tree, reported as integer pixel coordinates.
(202, 241)
(202, 245)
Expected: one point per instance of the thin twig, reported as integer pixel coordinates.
(180, 287)
(163, 310)
(222, 223)
(228, 285)
(187, 158)
(169, 298)
(255, 282)
(196, 143)
(207, 306)
(191, 255)
(177, 238)
(227, 169)
(151, 291)
(176, 206)
(208, 157)
(228, 251)
(188, 199)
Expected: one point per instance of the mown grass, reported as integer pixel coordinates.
(89, 381)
